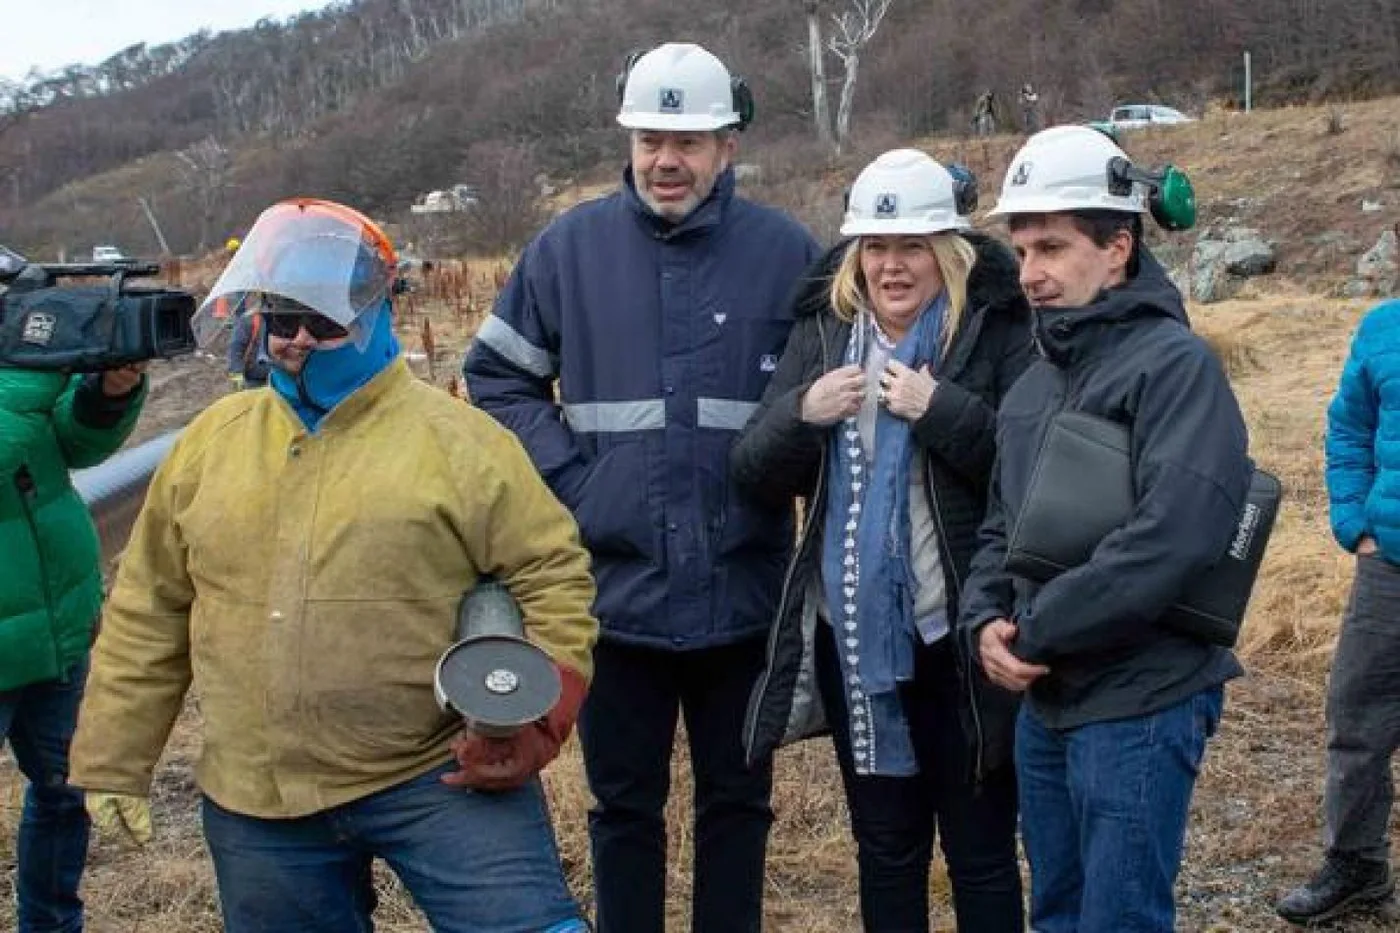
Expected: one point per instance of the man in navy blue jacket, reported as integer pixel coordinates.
(661, 311)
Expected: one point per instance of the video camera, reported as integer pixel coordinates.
(88, 328)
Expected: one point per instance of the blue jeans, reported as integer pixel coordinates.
(38, 721)
(1103, 815)
(473, 862)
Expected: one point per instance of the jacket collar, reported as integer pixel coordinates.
(706, 215)
(1068, 335)
(385, 383)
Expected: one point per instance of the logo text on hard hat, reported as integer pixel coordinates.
(886, 205)
(1023, 174)
(672, 100)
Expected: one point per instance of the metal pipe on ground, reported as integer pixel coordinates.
(115, 489)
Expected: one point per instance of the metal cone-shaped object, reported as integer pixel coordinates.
(493, 677)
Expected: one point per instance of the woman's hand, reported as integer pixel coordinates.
(835, 396)
(905, 392)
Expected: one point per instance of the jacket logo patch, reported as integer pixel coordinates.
(38, 328)
(672, 100)
(886, 205)
(720, 317)
(768, 363)
(1023, 174)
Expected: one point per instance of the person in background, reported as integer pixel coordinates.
(1030, 109)
(247, 355)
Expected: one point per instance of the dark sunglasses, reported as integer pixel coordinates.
(288, 324)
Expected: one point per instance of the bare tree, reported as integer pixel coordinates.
(205, 168)
(855, 28)
(816, 59)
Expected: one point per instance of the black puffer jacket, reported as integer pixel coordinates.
(780, 458)
(1129, 357)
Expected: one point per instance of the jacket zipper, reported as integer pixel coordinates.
(751, 726)
(964, 663)
(965, 668)
(28, 493)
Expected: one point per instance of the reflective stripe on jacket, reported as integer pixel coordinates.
(662, 339)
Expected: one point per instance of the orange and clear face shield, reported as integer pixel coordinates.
(324, 256)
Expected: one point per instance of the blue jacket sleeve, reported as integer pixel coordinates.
(1350, 446)
(511, 368)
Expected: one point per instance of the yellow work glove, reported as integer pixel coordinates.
(236, 380)
(115, 814)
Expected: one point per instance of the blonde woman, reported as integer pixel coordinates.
(881, 416)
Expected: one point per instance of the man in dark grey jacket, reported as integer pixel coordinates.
(1119, 707)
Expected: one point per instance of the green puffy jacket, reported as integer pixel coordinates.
(50, 568)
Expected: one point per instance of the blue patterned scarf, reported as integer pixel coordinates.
(867, 569)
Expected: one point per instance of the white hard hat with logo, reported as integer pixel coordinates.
(680, 87)
(904, 191)
(1066, 168)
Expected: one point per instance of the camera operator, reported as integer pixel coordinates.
(50, 596)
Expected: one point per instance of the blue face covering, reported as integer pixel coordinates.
(329, 377)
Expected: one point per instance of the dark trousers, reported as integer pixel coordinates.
(1363, 715)
(38, 721)
(628, 727)
(895, 819)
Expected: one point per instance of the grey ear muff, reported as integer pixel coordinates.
(964, 188)
(1170, 197)
(621, 79)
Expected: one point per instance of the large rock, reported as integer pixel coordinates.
(1223, 259)
(748, 171)
(1378, 269)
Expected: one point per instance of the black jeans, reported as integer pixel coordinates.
(895, 819)
(628, 727)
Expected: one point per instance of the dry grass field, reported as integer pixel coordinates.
(1255, 823)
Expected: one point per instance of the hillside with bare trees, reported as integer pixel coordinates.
(377, 101)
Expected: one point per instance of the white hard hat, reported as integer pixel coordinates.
(904, 191)
(678, 86)
(1065, 168)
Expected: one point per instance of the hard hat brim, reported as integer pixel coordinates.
(1056, 204)
(677, 122)
(907, 227)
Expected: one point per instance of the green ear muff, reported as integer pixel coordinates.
(1174, 200)
(1170, 197)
